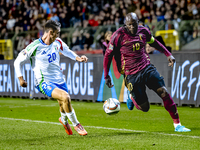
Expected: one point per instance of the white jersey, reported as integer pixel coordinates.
(45, 60)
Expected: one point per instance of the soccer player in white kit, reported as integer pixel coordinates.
(43, 54)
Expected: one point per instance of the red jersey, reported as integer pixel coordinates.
(129, 51)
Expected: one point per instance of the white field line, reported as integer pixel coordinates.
(27, 105)
(116, 129)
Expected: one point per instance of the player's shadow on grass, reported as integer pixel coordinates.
(114, 133)
(196, 128)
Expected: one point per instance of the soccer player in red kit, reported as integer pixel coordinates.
(127, 45)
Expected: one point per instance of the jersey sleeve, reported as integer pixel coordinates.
(64, 49)
(23, 57)
(111, 48)
(155, 43)
(148, 35)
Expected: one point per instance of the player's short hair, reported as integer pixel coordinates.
(131, 16)
(50, 24)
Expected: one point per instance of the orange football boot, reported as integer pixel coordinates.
(67, 127)
(79, 128)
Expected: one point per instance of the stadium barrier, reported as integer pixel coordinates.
(85, 81)
(6, 49)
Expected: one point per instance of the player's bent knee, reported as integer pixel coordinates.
(66, 99)
(162, 91)
(145, 107)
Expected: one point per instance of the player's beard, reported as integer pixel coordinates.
(133, 31)
(52, 39)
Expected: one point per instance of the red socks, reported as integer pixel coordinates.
(170, 106)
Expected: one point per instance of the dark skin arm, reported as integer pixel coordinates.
(171, 60)
(109, 82)
(156, 44)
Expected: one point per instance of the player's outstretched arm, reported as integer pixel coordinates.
(83, 58)
(171, 60)
(160, 47)
(164, 50)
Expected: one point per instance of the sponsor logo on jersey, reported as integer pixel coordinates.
(111, 47)
(43, 52)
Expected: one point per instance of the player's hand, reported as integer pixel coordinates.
(108, 82)
(171, 60)
(84, 58)
(22, 82)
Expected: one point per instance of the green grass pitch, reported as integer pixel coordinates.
(33, 125)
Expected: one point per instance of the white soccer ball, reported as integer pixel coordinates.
(111, 106)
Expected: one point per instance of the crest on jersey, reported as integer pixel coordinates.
(24, 52)
(111, 47)
(56, 48)
(140, 35)
(49, 87)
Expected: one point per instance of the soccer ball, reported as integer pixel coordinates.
(111, 106)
